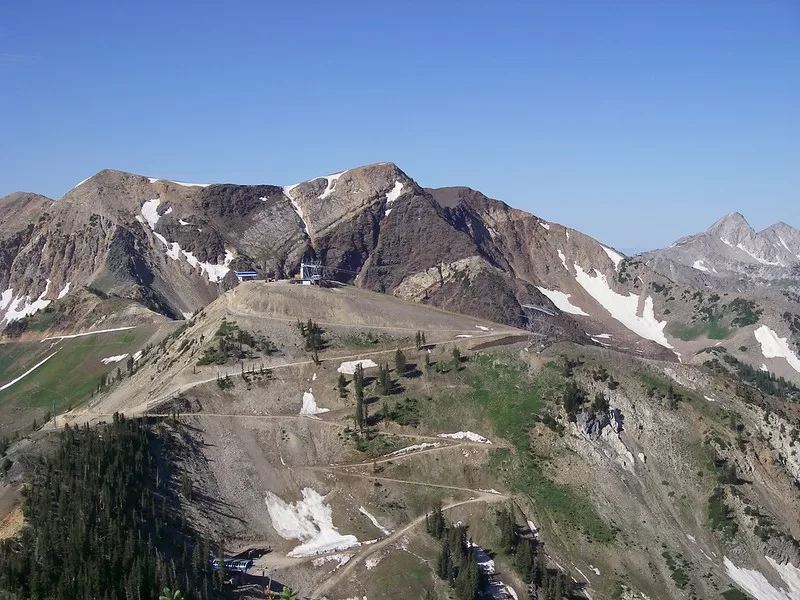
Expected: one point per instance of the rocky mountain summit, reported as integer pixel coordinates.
(731, 255)
(174, 247)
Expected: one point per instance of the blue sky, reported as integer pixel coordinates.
(635, 122)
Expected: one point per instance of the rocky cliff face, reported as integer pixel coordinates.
(731, 255)
(174, 246)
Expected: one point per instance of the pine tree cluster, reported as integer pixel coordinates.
(103, 521)
(456, 563)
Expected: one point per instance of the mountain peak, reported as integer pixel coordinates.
(732, 228)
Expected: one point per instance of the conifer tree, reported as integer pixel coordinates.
(400, 363)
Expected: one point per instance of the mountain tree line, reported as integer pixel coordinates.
(102, 520)
(456, 563)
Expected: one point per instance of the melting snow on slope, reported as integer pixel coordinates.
(5, 298)
(624, 308)
(563, 259)
(774, 347)
(615, 257)
(373, 520)
(15, 312)
(150, 212)
(764, 368)
(545, 225)
(309, 520)
(698, 264)
(113, 359)
(349, 367)
(332, 179)
(182, 222)
(300, 215)
(413, 448)
(183, 183)
(465, 435)
(561, 300)
(28, 372)
(763, 261)
(757, 585)
(77, 335)
(393, 195)
(342, 559)
(64, 292)
(310, 405)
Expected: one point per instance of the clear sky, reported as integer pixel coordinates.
(636, 122)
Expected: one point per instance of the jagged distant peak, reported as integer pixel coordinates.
(733, 221)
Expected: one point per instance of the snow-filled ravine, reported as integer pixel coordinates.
(214, 272)
(773, 346)
(758, 586)
(562, 301)
(624, 308)
(308, 520)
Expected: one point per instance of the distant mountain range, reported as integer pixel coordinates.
(174, 246)
(731, 255)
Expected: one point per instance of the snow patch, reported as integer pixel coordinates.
(309, 520)
(465, 435)
(332, 179)
(150, 212)
(709, 398)
(545, 225)
(764, 368)
(615, 257)
(393, 195)
(602, 336)
(763, 261)
(137, 355)
(624, 308)
(491, 491)
(349, 367)
(113, 359)
(563, 259)
(464, 335)
(16, 312)
(300, 215)
(774, 347)
(5, 298)
(373, 520)
(77, 335)
(310, 405)
(757, 585)
(482, 328)
(183, 183)
(562, 302)
(698, 264)
(342, 559)
(413, 448)
(182, 222)
(64, 292)
(373, 561)
(26, 373)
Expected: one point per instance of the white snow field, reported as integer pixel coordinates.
(310, 405)
(150, 212)
(755, 584)
(214, 272)
(183, 183)
(413, 448)
(113, 359)
(349, 367)
(545, 225)
(563, 259)
(624, 308)
(374, 521)
(332, 179)
(309, 520)
(15, 312)
(393, 195)
(65, 291)
(28, 372)
(72, 336)
(773, 346)
(698, 264)
(465, 435)
(615, 257)
(561, 300)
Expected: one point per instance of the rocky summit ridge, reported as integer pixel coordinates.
(174, 247)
